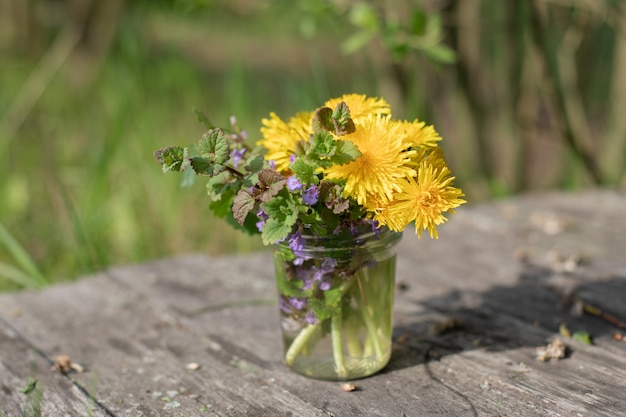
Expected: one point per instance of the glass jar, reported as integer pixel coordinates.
(336, 296)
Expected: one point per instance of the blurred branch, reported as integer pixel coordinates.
(37, 82)
(562, 80)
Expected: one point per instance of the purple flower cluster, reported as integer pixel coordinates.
(237, 156)
(311, 195)
(262, 216)
(299, 304)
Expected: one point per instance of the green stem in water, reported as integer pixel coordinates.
(335, 331)
(299, 342)
(305, 334)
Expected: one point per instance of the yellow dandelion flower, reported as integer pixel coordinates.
(280, 138)
(419, 134)
(430, 156)
(423, 199)
(360, 105)
(382, 162)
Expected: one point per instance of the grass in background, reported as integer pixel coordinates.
(83, 189)
(533, 101)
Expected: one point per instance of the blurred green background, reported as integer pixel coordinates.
(528, 95)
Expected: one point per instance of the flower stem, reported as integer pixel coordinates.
(335, 331)
(299, 342)
(305, 334)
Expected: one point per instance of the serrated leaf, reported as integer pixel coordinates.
(342, 121)
(254, 164)
(270, 182)
(323, 120)
(218, 184)
(200, 117)
(171, 158)
(214, 146)
(222, 208)
(203, 166)
(322, 145)
(242, 205)
(283, 214)
(345, 152)
(274, 231)
(305, 171)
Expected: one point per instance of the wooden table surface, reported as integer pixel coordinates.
(199, 335)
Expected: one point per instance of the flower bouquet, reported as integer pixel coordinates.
(331, 190)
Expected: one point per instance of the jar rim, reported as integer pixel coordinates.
(382, 238)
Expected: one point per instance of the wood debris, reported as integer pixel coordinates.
(448, 325)
(554, 350)
(193, 366)
(347, 387)
(62, 363)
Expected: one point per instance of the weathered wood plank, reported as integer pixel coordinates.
(51, 394)
(135, 328)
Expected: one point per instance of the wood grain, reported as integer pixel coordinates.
(503, 277)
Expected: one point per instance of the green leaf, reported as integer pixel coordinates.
(219, 184)
(270, 182)
(356, 42)
(274, 231)
(305, 171)
(364, 16)
(322, 145)
(204, 166)
(171, 158)
(242, 205)
(189, 178)
(31, 384)
(323, 120)
(342, 121)
(283, 213)
(346, 152)
(222, 208)
(442, 54)
(254, 164)
(215, 146)
(418, 22)
(203, 119)
(583, 336)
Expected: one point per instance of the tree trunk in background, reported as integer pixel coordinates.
(97, 20)
(20, 30)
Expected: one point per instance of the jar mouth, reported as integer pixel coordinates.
(379, 239)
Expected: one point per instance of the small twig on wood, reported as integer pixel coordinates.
(595, 311)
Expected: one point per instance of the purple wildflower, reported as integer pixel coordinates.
(292, 158)
(261, 214)
(272, 164)
(284, 305)
(296, 242)
(310, 318)
(298, 302)
(243, 134)
(237, 156)
(262, 217)
(294, 184)
(311, 195)
(375, 226)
